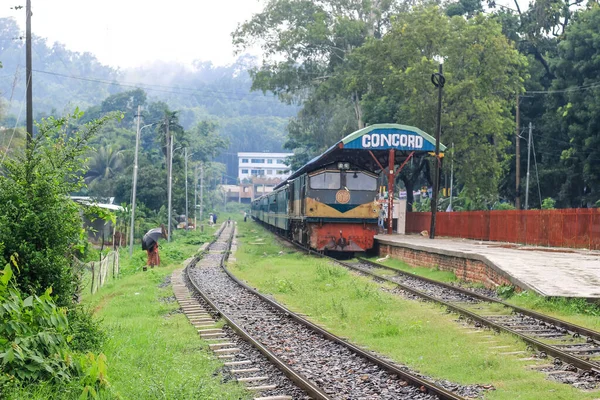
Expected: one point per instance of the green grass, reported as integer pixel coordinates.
(152, 353)
(577, 311)
(418, 334)
(431, 273)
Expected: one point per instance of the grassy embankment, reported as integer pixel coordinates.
(152, 352)
(417, 334)
(577, 311)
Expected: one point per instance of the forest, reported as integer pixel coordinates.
(330, 67)
(354, 63)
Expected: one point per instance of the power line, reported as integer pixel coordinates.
(569, 89)
(175, 90)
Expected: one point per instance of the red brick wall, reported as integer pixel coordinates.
(466, 269)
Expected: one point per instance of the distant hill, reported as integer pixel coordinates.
(63, 80)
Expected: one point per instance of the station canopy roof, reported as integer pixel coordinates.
(356, 148)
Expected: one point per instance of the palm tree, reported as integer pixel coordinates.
(104, 164)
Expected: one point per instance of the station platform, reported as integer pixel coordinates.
(548, 271)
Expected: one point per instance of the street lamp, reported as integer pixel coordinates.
(134, 186)
(438, 81)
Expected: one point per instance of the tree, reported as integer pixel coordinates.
(104, 165)
(483, 71)
(305, 41)
(577, 103)
(39, 224)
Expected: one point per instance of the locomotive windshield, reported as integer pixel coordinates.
(325, 180)
(360, 181)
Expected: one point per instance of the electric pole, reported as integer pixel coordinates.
(528, 160)
(196, 197)
(438, 80)
(518, 159)
(201, 191)
(186, 190)
(170, 182)
(134, 185)
(451, 176)
(28, 73)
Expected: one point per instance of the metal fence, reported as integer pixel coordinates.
(573, 227)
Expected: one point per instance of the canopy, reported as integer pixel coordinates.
(369, 148)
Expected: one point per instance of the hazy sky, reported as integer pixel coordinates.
(130, 33)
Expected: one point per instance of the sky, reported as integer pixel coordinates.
(132, 33)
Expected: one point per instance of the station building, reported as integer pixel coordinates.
(264, 165)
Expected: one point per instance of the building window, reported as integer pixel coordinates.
(269, 172)
(257, 160)
(244, 171)
(258, 172)
(244, 160)
(281, 172)
(269, 161)
(280, 161)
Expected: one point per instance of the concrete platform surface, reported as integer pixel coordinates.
(549, 271)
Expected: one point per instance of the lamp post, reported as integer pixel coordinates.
(438, 80)
(134, 186)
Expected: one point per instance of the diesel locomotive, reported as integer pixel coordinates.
(331, 208)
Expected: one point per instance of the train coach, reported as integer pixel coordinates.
(330, 208)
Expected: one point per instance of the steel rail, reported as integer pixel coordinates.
(548, 349)
(410, 378)
(311, 388)
(557, 322)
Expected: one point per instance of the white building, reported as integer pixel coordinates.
(266, 165)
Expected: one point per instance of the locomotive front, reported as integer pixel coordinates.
(338, 209)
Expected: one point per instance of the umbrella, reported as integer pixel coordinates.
(151, 237)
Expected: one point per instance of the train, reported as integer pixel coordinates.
(328, 208)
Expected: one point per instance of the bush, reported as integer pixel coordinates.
(548, 203)
(37, 219)
(34, 343)
(85, 330)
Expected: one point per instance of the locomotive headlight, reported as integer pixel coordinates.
(343, 165)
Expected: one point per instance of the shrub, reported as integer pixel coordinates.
(548, 203)
(34, 343)
(37, 219)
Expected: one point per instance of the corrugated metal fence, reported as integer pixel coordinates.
(573, 227)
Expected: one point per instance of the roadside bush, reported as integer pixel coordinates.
(85, 330)
(38, 221)
(34, 343)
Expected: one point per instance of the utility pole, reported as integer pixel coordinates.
(170, 182)
(451, 175)
(195, 197)
(201, 192)
(186, 190)
(28, 74)
(528, 161)
(134, 185)
(518, 159)
(438, 80)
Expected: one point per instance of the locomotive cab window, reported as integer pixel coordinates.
(360, 181)
(325, 180)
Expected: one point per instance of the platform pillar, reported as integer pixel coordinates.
(391, 179)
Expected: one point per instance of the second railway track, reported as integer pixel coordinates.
(322, 364)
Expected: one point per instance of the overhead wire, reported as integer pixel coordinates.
(174, 90)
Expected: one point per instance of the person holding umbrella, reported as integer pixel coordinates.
(150, 244)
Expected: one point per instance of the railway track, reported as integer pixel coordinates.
(576, 349)
(323, 365)
(567, 342)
